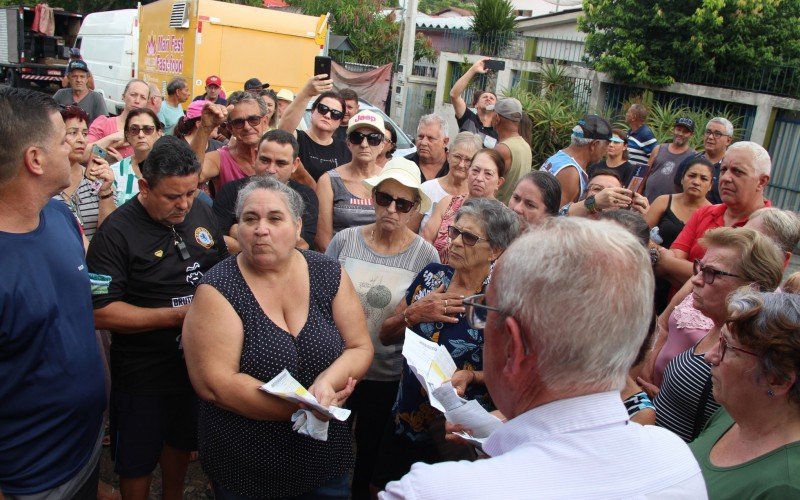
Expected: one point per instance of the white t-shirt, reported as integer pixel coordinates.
(435, 192)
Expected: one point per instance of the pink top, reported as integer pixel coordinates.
(442, 241)
(687, 326)
(229, 170)
(103, 126)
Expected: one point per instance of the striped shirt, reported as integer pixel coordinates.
(641, 143)
(85, 206)
(677, 402)
(127, 183)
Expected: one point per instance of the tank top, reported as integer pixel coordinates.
(562, 160)
(661, 178)
(229, 170)
(670, 226)
(348, 209)
(261, 458)
(521, 160)
(442, 241)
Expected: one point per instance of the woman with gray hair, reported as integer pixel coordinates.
(433, 309)
(751, 447)
(269, 309)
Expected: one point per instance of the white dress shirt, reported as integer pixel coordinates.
(583, 447)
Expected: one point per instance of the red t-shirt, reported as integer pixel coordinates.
(702, 220)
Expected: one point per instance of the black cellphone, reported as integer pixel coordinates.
(494, 64)
(322, 66)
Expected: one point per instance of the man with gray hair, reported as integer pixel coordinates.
(171, 110)
(588, 144)
(555, 359)
(717, 138)
(431, 155)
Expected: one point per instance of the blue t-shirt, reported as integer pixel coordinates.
(52, 390)
(412, 409)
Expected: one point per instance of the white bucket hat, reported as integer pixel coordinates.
(407, 173)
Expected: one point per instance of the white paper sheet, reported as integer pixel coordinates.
(285, 386)
(431, 363)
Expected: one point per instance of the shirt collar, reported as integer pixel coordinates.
(562, 416)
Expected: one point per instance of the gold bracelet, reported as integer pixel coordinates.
(405, 318)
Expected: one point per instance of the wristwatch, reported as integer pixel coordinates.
(590, 204)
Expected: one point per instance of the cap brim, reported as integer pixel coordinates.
(405, 179)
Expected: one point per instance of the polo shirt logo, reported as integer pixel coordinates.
(203, 237)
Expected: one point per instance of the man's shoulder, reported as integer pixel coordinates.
(304, 191)
(62, 95)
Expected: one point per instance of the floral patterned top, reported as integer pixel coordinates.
(412, 409)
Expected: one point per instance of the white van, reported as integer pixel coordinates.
(109, 43)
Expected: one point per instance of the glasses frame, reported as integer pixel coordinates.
(724, 346)
(471, 304)
(324, 109)
(144, 129)
(238, 123)
(400, 204)
(462, 159)
(466, 236)
(716, 133)
(699, 267)
(356, 138)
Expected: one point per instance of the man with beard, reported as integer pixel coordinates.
(482, 122)
(716, 139)
(665, 160)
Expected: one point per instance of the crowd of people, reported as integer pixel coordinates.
(621, 309)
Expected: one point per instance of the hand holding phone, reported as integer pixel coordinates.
(322, 66)
(494, 64)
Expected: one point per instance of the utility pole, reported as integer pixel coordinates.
(400, 90)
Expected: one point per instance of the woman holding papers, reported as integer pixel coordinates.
(271, 308)
(382, 259)
(433, 309)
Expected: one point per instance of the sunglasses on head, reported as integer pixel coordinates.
(324, 110)
(468, 238)
(373, 138)
(238, 123)
(147, 129)
(384, 200)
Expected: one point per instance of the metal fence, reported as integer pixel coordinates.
(509, 46)
(425, 67)
(579, 88)
(766, 78)
(358, 67)
(784, 147)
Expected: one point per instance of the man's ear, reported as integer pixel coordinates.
(763, 181)
(295, 164)
(144, 187)
(516, 349)
(34, 160)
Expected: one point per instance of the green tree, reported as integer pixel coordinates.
(375, 37)
(493, 23)
(433, 6)
(642, 42)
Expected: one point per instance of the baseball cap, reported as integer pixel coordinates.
(366, 119)
(77, 64)
(404, 171)
(593, 127)
(195, 109)
(285, 95)
(213, 80)
(685, 122)
(255, 84)
(509, 108)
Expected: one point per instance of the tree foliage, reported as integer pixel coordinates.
(375, 37)
(433, 6)
(642, 42)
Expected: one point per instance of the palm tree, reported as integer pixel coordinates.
(493, 25)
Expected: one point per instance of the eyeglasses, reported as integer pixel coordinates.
(457, 159)
(724, 345)
(384, 200)
(476, 310)
(468, 238)
(373, 138)
(709, 273)
(147, 129)
(238, 123)
(715, 133)
(324, 110)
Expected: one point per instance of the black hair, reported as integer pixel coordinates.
(170, 157)
(332, 95)
(175, 85)
(393, 134)
(606, 171)
(698, 161)
(549, 187)
(143, 111)
(632, 221)
(348, 95)
(24, 122)
(282, 137)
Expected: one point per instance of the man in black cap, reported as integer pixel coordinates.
(664, 161)
(78, 92)
(587, 146)
(255, 85)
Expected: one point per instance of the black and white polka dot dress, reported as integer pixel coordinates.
(268, 459)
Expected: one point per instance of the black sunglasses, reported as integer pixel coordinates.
(147, 129)
(238, 123)
(373, 138)
(384, 200)
(468, 238)
(709, 273)
(324, 110)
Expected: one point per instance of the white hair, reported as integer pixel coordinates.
(433, 119)
(582, 292)
(759, 157)
(472, 142)
(724, 122)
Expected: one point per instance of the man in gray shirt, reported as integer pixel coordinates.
(78, 94)
(665, 159)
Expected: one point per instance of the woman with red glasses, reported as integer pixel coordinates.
(734, 257)
(433, 309)
(484, 178)
(751, 446)
(344, 200)
(382, 259)
(142, 129)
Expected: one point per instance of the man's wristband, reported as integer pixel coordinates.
(106, 196)
(590, 205)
